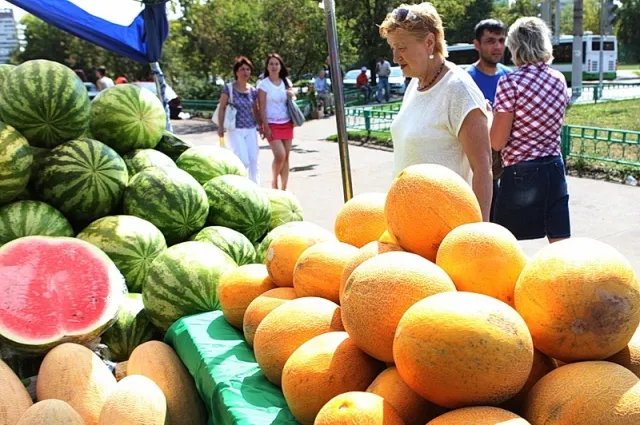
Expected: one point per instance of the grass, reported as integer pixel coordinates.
(623, 115)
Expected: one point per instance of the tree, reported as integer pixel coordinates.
(590, 17)
(627, 29)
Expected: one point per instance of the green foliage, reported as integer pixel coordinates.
(627, 30)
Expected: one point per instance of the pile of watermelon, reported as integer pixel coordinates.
(111, 227)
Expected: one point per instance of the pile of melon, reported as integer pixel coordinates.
(416, 312)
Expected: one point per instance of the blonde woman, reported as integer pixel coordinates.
(444, 117)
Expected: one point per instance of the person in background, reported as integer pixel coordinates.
(243, 140)
(530, 103)
(383, 71)
(362, 83)
(103, 82)
(323, 92)
(122, 79)
(490, 43)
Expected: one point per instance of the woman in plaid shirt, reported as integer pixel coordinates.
(532, 200)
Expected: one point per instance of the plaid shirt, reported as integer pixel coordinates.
(537, 96)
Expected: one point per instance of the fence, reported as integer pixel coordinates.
(594, 93)
(601, 144)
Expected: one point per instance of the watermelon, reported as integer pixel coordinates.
(170, 199)
(183, 281)
(45, 101)
(238, 203)
(55, 290)
(32, 218)
(141, 159)
(127, 117)
(285, 207)
(172, 145)
(131, 242)
(233, 243)
(132, 328)
(207, 162)
(84, 179)
(4, 70)
(16, 160)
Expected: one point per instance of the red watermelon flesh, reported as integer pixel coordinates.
(55, 290)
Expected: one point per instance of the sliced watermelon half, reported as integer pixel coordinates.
(55, 290)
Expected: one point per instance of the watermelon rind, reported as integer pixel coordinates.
(32, 218)
(172, 145)
(16, 159)
(183, 281)
(233, 243)
(285, 207)
(131, 242)
(209, 161)
(45, 101)
(141, 159)
(5, 68)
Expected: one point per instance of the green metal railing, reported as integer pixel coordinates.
(593, 93)
(376, 118)
(601, 144)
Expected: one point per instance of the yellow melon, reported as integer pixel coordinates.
(14, 398)
(240, 286)
(425, 202)
(479, 415)
(319, 270)
(322, 368)
(261, 306)
(158, 362)
(76, 375)
(288, 327)
(412, 408)
(49, 412)
(380, 291)
(591, 392)
(629, 356)
(361, 219)
(483, 257)
(542, 365)
(135, 400)
(458, 349)
(358, 408)
(388, 238)
(580, 298)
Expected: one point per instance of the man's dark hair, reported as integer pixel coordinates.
(492, 25)
(102, 70)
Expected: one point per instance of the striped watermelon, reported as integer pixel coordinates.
(84, 179)
(32, 218)
(238, 203)
(172, 145)
(183, 281)
(207, 162)
(141, 159)
(46, 102)
(131, 242)
(285, 207)
(233, 243)
(4, 70)
(16, 160)
(170, 199)
(132, 328)
(127, 117)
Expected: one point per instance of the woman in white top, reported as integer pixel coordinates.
(444, 118)
(277, 126)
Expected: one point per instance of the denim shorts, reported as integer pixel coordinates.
(533, 200)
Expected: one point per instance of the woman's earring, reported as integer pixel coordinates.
(431, 56)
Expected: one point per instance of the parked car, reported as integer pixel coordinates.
(92, 90)
(396, 80)
(350, 78)
(175, 104)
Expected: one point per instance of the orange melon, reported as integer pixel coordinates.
(288, 327)
(158, 362)
(542, 365)
(580, 298)
(425, 202)
(379, 292)
(361, 219)
(76, 375)
(49, 412)
(135, 400)
(261, 306)
(285, 249)
(479, 415)
(484, 258)
(590, 392)
(358, 408)
(412, 408)
(240, 286)
(458, 349)
(14, 398)
(322, 368)
(319, 270)
(629, 356)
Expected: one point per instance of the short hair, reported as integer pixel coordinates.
(529, 41)
(418, 19)
(102, 70)
(242, 60)
(491, 25)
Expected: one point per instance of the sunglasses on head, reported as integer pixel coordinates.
(403, 14)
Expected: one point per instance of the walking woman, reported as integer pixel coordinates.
(243, 140)
(277, 126)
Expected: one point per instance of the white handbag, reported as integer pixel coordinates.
(229, 113)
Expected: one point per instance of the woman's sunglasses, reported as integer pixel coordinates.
(403, 14)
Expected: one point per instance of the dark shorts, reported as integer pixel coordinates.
(533, 200)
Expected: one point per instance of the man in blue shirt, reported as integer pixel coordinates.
(486, 72)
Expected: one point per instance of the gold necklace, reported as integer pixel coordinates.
(420, 88)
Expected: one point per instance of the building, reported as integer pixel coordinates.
(8, 34)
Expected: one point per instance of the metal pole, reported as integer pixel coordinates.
(336, 83)
(161, 85)
(600, 64)
(576, 63)
(556, 35)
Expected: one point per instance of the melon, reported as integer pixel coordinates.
(50, 412)
(135, 400)
(361, 219)
(542, 365)
(358, 408)
(380, 291)
(580, 299)
(458, 349)
(55, 290)
(14, 398)
(76, 375)
(260, 307)
(424, 203)
(629, 356)
(479, 415)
